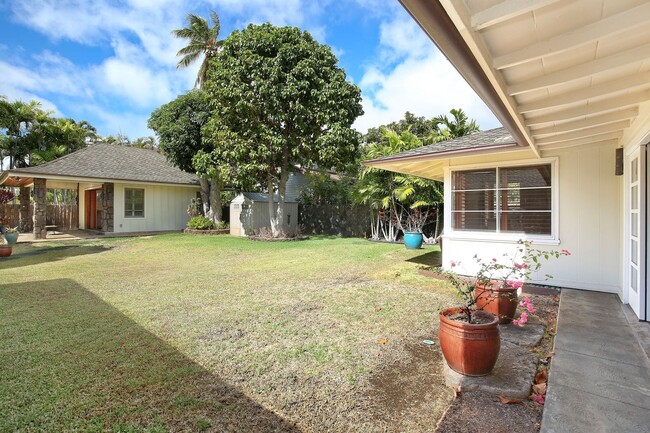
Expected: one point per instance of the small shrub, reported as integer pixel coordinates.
(200, 223)
(221, 225)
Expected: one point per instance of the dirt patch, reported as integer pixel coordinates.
(480, 412)
(410, 395)
(207, 232)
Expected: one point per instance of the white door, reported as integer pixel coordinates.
(633, 187)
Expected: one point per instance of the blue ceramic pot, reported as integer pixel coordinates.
(413, 240)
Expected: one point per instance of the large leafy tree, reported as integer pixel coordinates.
(280, 100)
(178, 125)
(202, 40)
(426, 130)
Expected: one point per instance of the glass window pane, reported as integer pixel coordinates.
(526, 199)
(634, 192)
(634, 277)
(478, 221)
(474, 200)
(634, 224)
(526, 222)
(525, 177)
(634, 253)
(474, 179)
(133, 202)
(634, 175)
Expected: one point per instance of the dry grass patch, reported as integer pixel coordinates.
(185, 333)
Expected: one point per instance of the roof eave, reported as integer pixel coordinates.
(441, 155)
(444, 34)
(21, 173)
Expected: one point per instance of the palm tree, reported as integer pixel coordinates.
(202, 39)
(456, 127)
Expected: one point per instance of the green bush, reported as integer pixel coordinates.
(200, 223)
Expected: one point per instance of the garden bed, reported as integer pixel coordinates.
(272, 239)
(207, 232)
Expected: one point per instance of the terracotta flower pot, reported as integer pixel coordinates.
(469, 349)
(500, 301)
(5, 251)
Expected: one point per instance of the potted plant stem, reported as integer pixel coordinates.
(469, 334)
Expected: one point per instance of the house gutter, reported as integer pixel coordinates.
(446, 37)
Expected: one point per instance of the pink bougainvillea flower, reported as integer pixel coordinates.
(515, 284)
(566, 252)
(539, 399)
(521, 266)
(516, 322)
(453, 263)
(530, 308)
(494, 260)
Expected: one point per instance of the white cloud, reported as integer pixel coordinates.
(410, 74)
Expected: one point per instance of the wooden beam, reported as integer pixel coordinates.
(590, 109)
(584, 140)
(575, 125)
(609, 26)
(638, 54)
(569, 145)
(506, 10)
(587, 132)
(594, 128)
(635, 82)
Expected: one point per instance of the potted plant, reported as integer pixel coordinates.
(469, 334)
(5, 250)
(11, 235)
(412, 227)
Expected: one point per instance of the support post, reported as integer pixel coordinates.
(108, 190)
(24, 214)
(40, 209)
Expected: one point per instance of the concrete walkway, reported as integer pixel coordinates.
(600, 376)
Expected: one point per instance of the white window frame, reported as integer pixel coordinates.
(510, 237)
(126, 215)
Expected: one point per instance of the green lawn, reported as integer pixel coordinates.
(192, 333)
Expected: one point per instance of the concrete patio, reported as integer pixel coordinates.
(600, 374)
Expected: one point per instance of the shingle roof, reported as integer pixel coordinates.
(113, 162)
(491, 138)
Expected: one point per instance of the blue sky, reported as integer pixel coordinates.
(113, 62)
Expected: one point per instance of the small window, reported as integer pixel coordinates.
(133, 203)
(503, 200)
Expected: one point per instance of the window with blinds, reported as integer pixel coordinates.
(503, 200)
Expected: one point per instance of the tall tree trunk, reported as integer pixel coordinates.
(205, 196)
(282, 195)
(275, 229)
(215, 199)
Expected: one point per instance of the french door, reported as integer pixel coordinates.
(634, 214)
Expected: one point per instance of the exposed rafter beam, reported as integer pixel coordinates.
(584, 140)
(609, 26)
(618, 85)
(635, 55)
(575, 125)
(506, 10)
(587, 132)
(568, 145)
(610, 104)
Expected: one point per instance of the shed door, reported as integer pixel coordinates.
(90, 200)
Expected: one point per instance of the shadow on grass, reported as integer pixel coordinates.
(433, 258)
(35, 255)
(70, 361)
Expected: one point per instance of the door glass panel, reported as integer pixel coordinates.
(634, 175)
(634, 192)
(634, 253)
(634, 278)
(634, 224)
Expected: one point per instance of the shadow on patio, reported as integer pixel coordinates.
(71, 361)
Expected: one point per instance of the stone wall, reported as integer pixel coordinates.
(40, 209)
(25, 223)
(108, 208)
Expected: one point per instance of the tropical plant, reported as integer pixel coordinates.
(280, 101)
(200, 223)
(509, 271)
(202, 40)
(458, 126)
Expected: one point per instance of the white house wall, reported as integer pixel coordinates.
(165, 208)
(589, 199)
